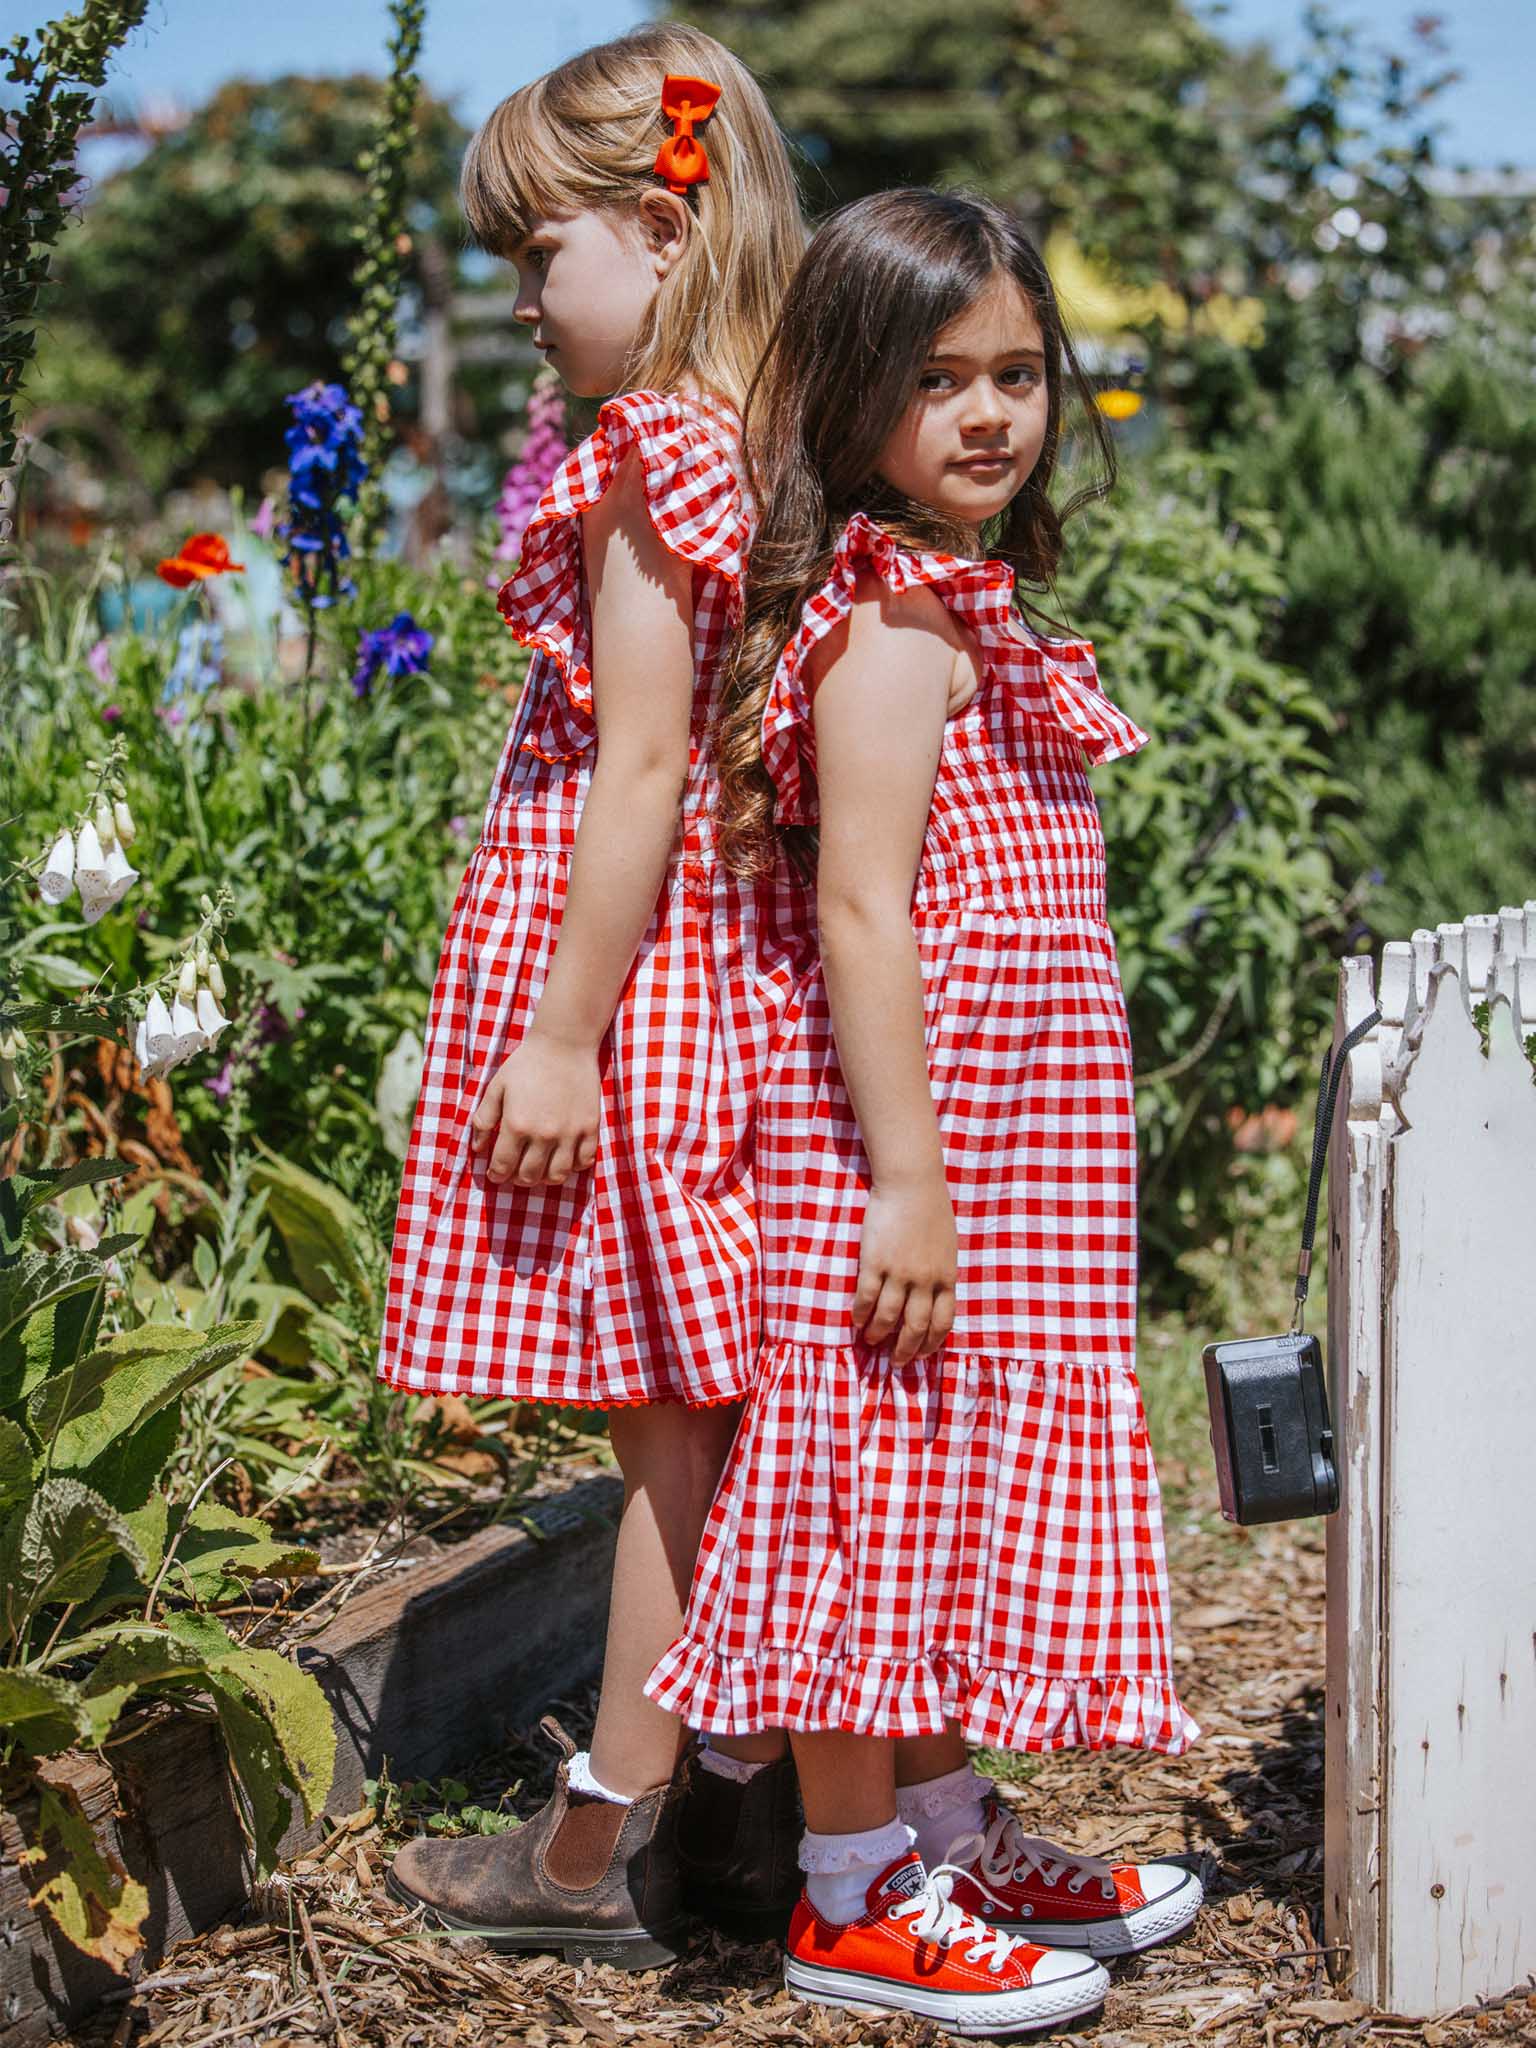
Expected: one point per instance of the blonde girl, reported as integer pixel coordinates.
(577, 1221)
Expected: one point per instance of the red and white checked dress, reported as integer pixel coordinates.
(638, 1280)
(973, 1537)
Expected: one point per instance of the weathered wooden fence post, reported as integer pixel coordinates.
(1430, 1855)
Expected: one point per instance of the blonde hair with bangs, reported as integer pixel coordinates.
(585, 136)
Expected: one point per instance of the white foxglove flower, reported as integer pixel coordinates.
(58, 877)
(94, 907)
(127, 831)
(216, 979)
(160, 1035)
(90, 862)
(189, 1033)
(121, 875)
(106, 825)
(186, 981)
(141, 1043)
(210, 1017)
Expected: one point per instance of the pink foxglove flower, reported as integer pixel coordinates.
(544, 449)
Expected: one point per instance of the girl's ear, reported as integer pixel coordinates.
(665, 225)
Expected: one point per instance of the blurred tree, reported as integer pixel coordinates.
(1121, 120)
(219, 267)
(1409, 523)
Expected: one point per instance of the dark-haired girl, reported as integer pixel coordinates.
(940, 1523)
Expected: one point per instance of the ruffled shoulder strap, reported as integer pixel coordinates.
(1053, 680)
(689, 450)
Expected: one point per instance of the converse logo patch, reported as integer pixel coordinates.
(905, 1881)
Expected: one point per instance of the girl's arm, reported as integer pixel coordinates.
(542, 1105)
(879, 712)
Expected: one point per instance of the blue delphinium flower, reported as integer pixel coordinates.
(199, 660)
(325, 468)
(402, 648)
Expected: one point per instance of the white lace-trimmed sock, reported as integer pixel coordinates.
(738, 1769)
(578, 1775)
(940, 1810)
(839, 1869)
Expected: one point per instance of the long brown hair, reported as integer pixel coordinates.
(585, 136)
(879, 280)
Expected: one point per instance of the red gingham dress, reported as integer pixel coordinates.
(974, 1537)
(638, 1280)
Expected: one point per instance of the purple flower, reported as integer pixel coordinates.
(402, 648)
(223, 1081)
(458, 826)
(112, 713)
(99, 662)
(544, 449)
(325, 468)
(266, 515)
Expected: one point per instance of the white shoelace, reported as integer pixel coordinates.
(936, 1917)
(1006, 1855)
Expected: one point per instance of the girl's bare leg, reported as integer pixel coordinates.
(847, 1782)
(921, 1757)
(671, 1457)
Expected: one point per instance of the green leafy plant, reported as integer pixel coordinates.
(1225, 834)
(60, 69)
(383, 244)
(104, 1577)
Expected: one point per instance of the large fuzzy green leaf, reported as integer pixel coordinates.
(34, 1281)
(15, 1463)
(43, 1713)
(144, 1658)
(318, 1226)
(219, 1548)
(129, 1379)
(46, 1343)
(88, 1895)
(56, 1547)
(30, 1185)
(126, 1472)
(125, 1583)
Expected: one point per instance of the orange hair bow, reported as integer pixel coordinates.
(681, 159)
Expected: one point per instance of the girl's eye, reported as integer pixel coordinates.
(1021, 373)
(536, 259)
(934, 380)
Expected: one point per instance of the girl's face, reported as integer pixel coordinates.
(585, 283)
(975, 427)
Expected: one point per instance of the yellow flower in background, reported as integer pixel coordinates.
(1095, 303)
(1118, 403)
(1237, 322)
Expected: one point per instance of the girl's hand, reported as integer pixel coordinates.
(907, 1259)
(540, 1111)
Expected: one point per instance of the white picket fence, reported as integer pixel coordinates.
(1430, 1844)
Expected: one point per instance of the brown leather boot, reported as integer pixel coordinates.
(583, 1875)
(738, 1849)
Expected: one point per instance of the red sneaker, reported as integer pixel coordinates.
(915, 1951)
(1021, 1883)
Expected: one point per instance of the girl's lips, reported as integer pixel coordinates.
(970, 462)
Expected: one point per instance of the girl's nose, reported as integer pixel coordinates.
(984, 410)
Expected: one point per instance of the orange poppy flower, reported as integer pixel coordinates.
(200, 556)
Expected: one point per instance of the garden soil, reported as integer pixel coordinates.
(332, 1958)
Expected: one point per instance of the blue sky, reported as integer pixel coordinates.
(476, 52)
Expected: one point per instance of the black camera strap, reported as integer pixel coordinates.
(1327, 1096)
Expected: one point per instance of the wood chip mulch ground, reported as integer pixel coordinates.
(334, 1959)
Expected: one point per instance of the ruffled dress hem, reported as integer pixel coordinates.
(996, 1709)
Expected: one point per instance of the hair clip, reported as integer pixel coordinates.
(681, 159)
